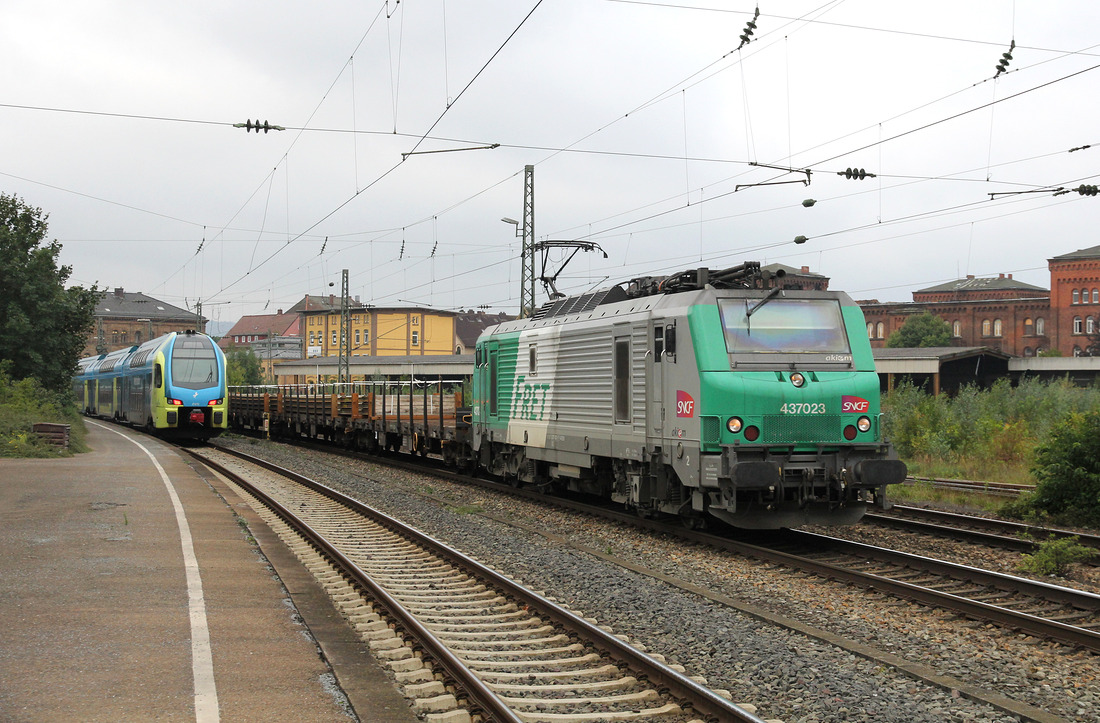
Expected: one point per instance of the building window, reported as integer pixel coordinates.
(137, 337)
(996, 327)
(956, 328)
(987, 327)
(1089, 327)
(1084, 296)
(879, 330)
(123, 337)
(870, 330)
(356, 337)
(334, 338)
(1028, 351)
(1096, 296)
(416, 338)
(1076, 326)
(1029, 327)
(1076, 296)
(1040, 327)
(1076, 350)
(366, 336)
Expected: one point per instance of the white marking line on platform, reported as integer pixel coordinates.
(202, 661)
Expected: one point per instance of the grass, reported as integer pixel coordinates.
(969, 468)
(924, 491)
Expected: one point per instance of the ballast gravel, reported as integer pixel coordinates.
(786, 674)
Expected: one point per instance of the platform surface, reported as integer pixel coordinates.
(107, 600)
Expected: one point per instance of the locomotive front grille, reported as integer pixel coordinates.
(711, 429)
(801, 428)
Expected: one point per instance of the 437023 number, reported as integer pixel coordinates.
(803, 408)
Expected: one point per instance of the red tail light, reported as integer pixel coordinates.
(175, 402)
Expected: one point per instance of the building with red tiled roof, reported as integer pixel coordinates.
(258, 327)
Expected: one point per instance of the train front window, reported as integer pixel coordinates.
(194, 365)
(783, 326)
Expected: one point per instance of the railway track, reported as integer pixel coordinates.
(1052, 612)
(458, 634)
(982, 530)
(1045, 611)
(1000, 489)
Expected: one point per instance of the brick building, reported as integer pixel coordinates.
(1009, 315)
(1075, 301)
(124, 319)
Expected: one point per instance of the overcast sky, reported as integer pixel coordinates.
(645, 122)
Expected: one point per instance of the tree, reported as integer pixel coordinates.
(921, 330)
(242, 367)
(43, 325)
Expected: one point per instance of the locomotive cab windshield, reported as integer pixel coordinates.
(194, 364)
(784, 329)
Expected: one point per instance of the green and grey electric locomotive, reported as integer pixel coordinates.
(706, 393)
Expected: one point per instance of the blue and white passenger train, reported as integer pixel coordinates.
(172, 385)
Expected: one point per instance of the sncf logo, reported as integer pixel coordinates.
(853, 404)
(685, 405)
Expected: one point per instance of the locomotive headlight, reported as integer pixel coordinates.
(864, 424)
(797, 379)
(734, 424)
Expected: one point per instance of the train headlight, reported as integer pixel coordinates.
(864, 424)
(734, 424)
(797, 379)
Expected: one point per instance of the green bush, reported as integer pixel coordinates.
(989, 434)
(1067, 471)
(24, 402)
(1054, 557)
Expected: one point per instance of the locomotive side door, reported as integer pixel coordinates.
(655, 390)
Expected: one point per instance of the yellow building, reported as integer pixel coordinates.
(375, 331)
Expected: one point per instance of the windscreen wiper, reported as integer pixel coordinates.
(771, 295)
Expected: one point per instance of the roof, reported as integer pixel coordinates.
(136, 305)
(931, 360)
(973, 284)
(331, 304)
(943, 353)
(267, 324)
(426, 365)
(1089, 253)
(470, 324)
(321, 303)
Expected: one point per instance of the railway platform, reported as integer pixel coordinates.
(134, 586)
